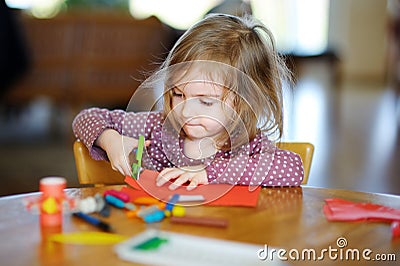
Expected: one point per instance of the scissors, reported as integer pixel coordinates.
(136, 166)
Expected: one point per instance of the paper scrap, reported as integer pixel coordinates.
(214, 194)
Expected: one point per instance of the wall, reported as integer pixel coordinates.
(357, 32)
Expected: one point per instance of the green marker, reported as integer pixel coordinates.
(150, 244)
(136, 167)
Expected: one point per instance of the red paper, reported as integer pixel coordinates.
(216, 194)
(343, 210)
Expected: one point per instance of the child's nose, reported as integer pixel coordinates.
(187, 109)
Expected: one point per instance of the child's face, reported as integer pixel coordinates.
(198, 108)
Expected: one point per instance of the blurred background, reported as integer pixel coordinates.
(60, 56)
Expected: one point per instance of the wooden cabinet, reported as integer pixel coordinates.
(96, 58)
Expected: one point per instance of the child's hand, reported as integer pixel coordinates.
(118, 149)
(196, 175)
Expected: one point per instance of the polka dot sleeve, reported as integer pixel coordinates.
(90, 123)
(258, 163)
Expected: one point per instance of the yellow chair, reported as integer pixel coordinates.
(92, 172)
(305, 150)
(98, 173)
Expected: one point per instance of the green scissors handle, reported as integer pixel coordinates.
(136, 166)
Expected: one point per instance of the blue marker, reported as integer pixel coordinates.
(154, 217)
(93, 221)
(116, 202)
(170, 205)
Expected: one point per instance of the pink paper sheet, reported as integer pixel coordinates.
(215, 195)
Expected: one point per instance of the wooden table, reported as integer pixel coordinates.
(288, 218)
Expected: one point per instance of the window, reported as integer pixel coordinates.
(179, 14)
(299, 26)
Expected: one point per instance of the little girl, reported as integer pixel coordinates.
(222, 99)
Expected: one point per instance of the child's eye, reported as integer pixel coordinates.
(206, 103)
(177, 94)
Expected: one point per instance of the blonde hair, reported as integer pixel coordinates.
(248, 46)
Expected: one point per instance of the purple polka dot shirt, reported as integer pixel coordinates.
(259, 162)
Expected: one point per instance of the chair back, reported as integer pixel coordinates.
(92, 172)
(306, 152)
(100, 173)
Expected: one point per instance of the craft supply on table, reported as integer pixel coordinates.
(178, 211)
(149, 201)
(51, 201)
(91, 204)
(171, 202)
(116, 202)
(168, 248)
(87, 238)
(343, 210)
(395, 227)
(214, 194)
(93, 221)
(156, 216)
(118, 194)
(147, 210)
(152, 210)
(190, 198)
(200, 220)
(137, 166)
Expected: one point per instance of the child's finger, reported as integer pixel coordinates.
(127, 170)
(162, 181)
(119, 169)
(182, 179)
(166, 170)
(193, 184)
(165, 177)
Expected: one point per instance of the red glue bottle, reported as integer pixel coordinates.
(51, 202)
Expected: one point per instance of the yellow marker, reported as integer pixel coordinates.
(178, 211)
(87, 238)
(167, 213)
